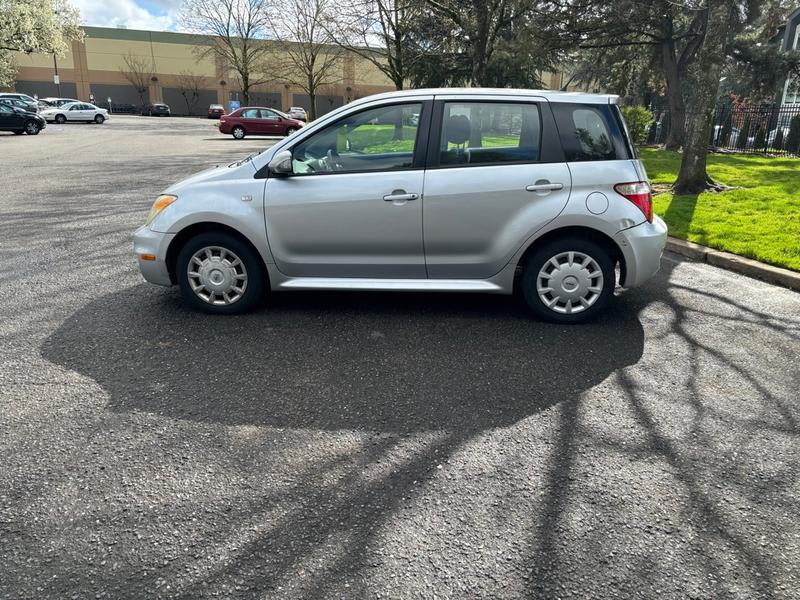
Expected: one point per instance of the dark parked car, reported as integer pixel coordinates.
(25, 101)
(256, 120)
(215, 111)
(20, 104)
(156, 109)
(20, 121)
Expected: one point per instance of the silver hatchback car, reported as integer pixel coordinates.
(458, 190)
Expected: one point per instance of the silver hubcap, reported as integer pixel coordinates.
(238, 133)
(217, 275)
(570, 282)
(32, 128)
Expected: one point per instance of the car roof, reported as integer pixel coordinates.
(550, 95)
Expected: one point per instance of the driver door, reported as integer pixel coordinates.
(353, 205)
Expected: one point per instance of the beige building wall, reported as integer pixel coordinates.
(97, 65)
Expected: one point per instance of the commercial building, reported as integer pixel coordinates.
(96, 67)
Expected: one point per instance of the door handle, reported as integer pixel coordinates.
(544, 186)
(400, 197)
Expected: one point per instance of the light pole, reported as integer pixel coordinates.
(56, 78)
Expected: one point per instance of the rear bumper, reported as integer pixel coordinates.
(146, 241)
(642, 246)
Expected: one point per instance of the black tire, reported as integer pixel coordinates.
(238, 132)
(254, 289)
(539, 261)
(290, 130)
(32, 127)
(99, 119)
(61, 119)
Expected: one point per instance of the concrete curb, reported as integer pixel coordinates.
(736, 263)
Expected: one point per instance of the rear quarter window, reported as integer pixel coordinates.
(589, 132)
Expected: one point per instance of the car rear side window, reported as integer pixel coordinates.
(250, 113)
(489, 133)
(589, 132)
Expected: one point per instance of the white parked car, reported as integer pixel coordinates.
(76, 111)
(297, 112)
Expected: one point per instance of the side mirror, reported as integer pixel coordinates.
(281, 163)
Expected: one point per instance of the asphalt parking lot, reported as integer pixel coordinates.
(338, 445)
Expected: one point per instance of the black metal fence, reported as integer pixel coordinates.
(751, 130)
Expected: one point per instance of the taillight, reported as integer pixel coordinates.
(638, 192)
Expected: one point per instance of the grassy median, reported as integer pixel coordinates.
(760, 220)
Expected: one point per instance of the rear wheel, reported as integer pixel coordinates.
(32, 128)
(219, 274)
(569, 280)
(238, 132)
(61, 119)
(99, 119)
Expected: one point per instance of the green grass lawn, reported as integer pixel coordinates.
(761, 220)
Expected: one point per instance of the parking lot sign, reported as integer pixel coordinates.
(233, 105)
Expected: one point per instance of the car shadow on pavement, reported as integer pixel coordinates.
(357, 361)
(416, 376)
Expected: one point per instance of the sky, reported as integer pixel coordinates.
(156, 15)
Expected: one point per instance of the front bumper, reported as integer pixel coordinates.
(146, 241)
(642, 246)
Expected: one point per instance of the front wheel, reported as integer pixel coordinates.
(99, 119)
(238, 133)
(32, 128)
(569, 280)
(61, 119)
(219, 274)
(290, 131)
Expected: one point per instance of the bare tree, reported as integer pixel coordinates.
(238, 29)
(189, 87)
(310, 58)
(381, 32)
(137, 71)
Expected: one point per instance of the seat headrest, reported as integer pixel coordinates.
(458, 129)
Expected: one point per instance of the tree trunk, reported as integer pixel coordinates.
(677, 107)
(693, 177)
(312, 101)
(479, 43)
(245, 88)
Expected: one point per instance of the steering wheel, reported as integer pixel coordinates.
(332, 163)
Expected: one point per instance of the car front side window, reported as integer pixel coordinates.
(377, 139)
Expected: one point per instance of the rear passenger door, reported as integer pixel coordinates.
(496, 174)
(251, 120)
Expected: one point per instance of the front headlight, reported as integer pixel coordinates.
(160, 204)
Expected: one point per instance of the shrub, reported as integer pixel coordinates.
(793, 137)
(760, 141)
(744, 133)
(725, 136)
(777, 143)
(638, 120)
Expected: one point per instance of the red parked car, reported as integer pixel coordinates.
(256, 120)
(215, 111)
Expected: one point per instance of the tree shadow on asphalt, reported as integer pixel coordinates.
(731, 557)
